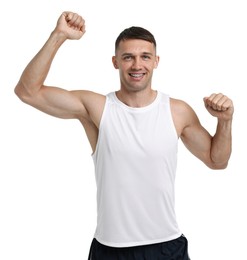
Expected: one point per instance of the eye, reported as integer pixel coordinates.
(146, 57)
(127, 57)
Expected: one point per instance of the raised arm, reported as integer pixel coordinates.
(214, 151)
(31, 89)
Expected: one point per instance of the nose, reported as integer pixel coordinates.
(137, 63)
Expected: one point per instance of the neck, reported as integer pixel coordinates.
(137, 98)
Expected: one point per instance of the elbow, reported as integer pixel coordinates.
(21, 92)
(18, 92)
(218, 165)
(219, 161)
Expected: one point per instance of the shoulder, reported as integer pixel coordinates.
(89, 98)
(179, 106)
(183, 114)
(93, 102)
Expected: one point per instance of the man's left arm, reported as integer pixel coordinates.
(214, 151)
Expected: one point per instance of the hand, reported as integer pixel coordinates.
(71, 25)
(220, 106)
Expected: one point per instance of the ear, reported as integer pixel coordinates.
(157, 59)
(114, 62)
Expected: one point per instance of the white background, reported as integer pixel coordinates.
(47, 185)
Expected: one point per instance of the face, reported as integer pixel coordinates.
(135, 59)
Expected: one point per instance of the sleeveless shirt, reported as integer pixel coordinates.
(135, 164)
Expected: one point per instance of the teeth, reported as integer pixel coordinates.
(136, 75)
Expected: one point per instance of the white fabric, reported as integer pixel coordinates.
(135, 164)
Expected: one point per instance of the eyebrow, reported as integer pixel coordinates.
(131, 54)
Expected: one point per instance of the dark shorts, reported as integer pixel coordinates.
(176, 249)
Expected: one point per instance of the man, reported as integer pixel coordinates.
(133, 133)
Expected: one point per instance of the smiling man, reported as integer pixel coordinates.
(134, 135)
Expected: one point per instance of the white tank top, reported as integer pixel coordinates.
(135, 164)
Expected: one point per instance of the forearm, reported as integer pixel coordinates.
(35, 73)
(222, 143)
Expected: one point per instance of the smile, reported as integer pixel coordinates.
(136, 75)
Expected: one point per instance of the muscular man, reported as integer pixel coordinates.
(133, 132)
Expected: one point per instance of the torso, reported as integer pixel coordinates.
(135, 161)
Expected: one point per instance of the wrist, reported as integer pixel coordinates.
(58, 37)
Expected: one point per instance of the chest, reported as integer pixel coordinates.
(147, 134)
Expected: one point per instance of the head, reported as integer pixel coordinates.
(135, 58)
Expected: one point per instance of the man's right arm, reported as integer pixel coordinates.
(31, 89)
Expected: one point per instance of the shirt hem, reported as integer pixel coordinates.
(138, 243)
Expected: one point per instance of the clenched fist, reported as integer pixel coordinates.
(220, 106)
(72, 25)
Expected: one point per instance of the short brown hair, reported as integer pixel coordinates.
(135, 32)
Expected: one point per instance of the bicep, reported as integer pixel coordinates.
(58, 102)
(196, 138)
